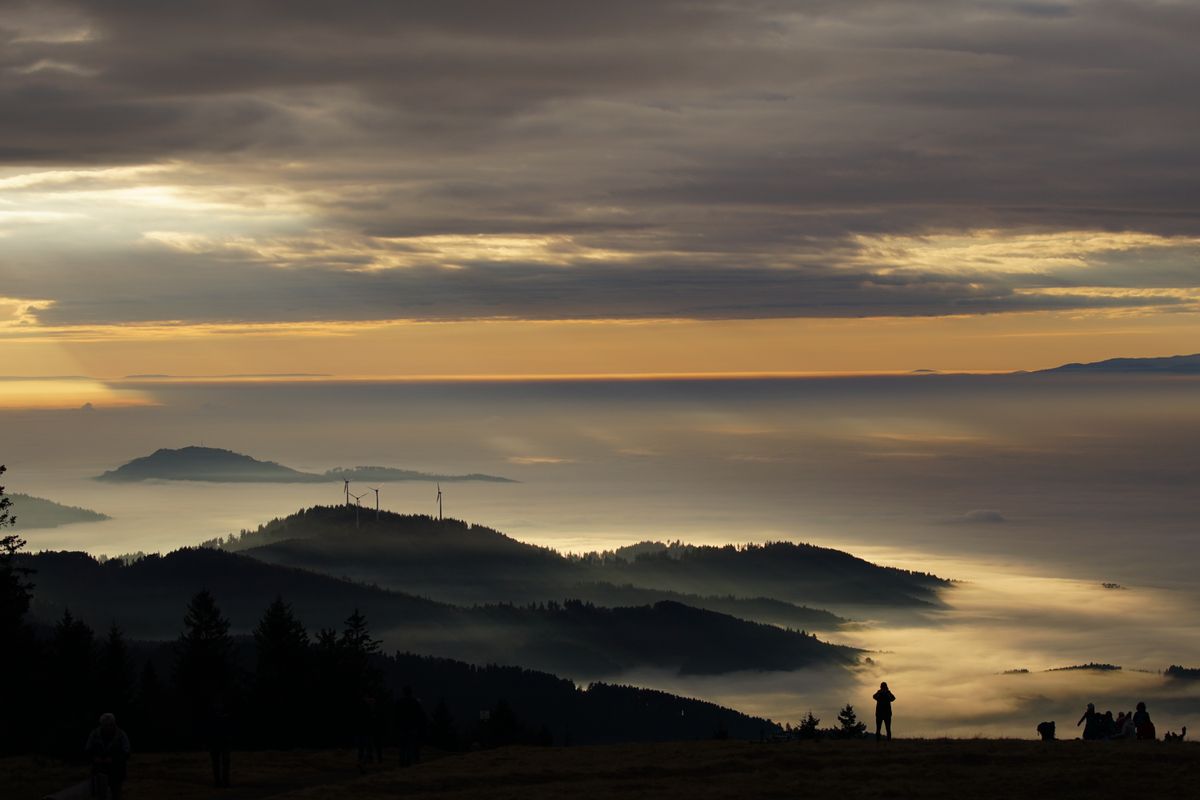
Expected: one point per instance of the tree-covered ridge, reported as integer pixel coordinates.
(785, 570)
(454, 561)
(566, 637)
(1183, 673)
(225, 466)
(38, 512)
(285, 686)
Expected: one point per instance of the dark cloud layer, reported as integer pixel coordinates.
(729, 155)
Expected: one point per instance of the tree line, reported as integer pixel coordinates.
(283, 686)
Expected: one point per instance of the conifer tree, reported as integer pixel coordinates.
(115, 674)
(357, 647)
(15, 590)
(282, 673)
(807, 729)
(850, 727)
(70, 688)
(18, 671)
(203, 653)
(356, 638)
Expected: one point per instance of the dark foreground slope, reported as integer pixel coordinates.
(148, 597)
(981, 769)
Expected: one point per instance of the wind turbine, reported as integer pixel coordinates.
(376, 491)
(347, 488)
(357, 505)
(439, 501)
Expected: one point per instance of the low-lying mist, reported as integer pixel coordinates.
(1033, 491)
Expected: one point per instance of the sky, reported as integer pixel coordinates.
(549, 188)
(542, 238)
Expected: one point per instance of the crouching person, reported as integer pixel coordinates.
(108, 750)
(1046, 731)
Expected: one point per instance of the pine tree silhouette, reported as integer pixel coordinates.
(15, 590)
(807, 729)
(282, 674)
(70, 677)
(357, 647)
(850, 728)
(203, 654)
(115, 674)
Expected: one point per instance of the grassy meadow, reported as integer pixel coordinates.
(977, 768)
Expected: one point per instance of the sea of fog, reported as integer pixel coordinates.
(1032, 491)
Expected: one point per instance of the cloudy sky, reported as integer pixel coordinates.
(536, 187)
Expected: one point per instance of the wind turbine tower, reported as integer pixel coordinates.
(357, 505)
(347, 488)
(376, 491)
(439, 502)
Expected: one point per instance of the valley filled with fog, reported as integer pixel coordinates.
(1031, 491)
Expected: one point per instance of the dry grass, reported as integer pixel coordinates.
(903, 769)
(187, 776)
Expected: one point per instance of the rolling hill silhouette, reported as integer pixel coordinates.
(1170, 365)
(148, 595)
(225, 466)
(458, 562)
(38, 512)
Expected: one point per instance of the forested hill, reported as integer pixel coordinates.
(147, 598)
(38, 512)
(784, 570)
(225, 466)
(602, 713)
(454, 561)
(205, 464)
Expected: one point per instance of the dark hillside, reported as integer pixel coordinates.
(457, 562)
(783, 570)
(147, 598)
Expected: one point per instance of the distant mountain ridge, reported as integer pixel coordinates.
(38, 512)
(1170, 365)
(216, 465)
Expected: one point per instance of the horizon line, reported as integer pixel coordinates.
(503, 377)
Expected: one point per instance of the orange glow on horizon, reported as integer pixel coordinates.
(522, 350)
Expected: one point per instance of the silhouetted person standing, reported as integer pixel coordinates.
(883, 710)
(218, 735)
(1141, 721)
(108, 749)
(1091, 730)
(410, 725)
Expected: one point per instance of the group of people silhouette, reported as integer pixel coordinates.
(1135, 725)
(1127, 725)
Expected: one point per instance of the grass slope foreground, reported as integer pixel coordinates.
(981, 769)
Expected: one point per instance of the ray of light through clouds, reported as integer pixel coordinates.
(422, 212)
